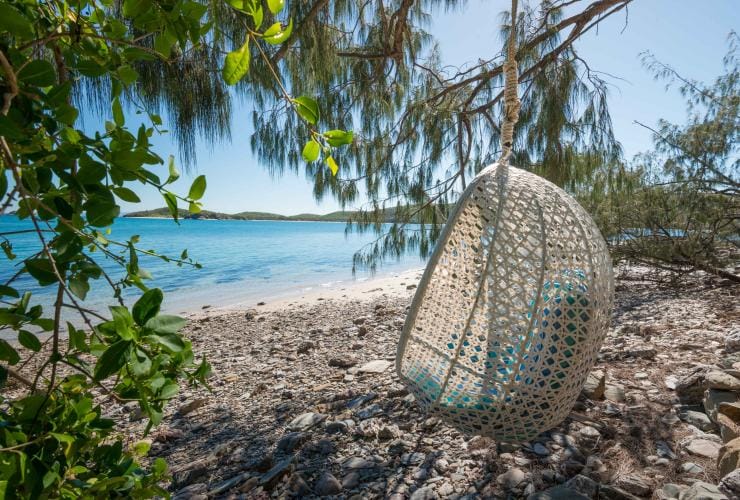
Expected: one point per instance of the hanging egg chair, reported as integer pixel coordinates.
(511, 311)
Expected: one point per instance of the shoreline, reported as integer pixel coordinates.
(397, 284)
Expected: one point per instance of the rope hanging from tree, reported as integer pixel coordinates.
(511, 98)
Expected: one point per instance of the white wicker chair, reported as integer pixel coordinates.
(511, 311)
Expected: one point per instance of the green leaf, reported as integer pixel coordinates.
(163, 44)
(166, 324)
(307, 108)
(38, 72)
(332, 165)
(311, 151)
(7, 353)
(141, 448)
(174, 173)
(135, 8)
(76, 338)
(194, 207)
(11, 130)
(79, 287)
(275, 6)
(171, 341)
(123, 321)
(147, 306)
(118, 117)
(159, 466)
(112, 360)
(171, 201)
(169, 391)
(42, 270)
(29, 340)
(236, 64)
(126, 194)
(127, 74)
(12, 21)
(276, 34)
(198, 188)
(7, 248)
(338, 137)
(6, 291)
(101, 211)
(257, 16)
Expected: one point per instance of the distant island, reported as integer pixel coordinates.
(164, 213)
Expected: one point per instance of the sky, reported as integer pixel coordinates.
(688, 35)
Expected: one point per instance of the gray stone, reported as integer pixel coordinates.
(671, 381)
(714, 398)
(192, 406)
(702, 491)
(732, 342)
(270, 478)
(357, 463)
(351, 480)
(388, 432)
(343, 362)
(664, 450)
(583, 485)
(327, 485)
(558, 493)
(377, 366)
(608, 492)
(298, 486)
(671, 491)
(589, 433)
(540, 449)
(369, 412)
(305, 421)
(446, 489)
(511, 478)
(730, 484)
(692, 468)
(690, 388)
(717, 379)
(614, 393)
(728, 428)
(635, 485)
(190, 473)
(703, 448)
(336, 427)
(291, 441)
(195, 491)
(729, 457)
(697, 419)
(595, 385)
(412, 458)
(426, 493)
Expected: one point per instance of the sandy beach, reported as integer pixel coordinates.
(305, 402)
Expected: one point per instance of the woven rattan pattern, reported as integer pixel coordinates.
(511, 311)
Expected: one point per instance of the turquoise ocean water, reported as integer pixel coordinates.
(242, 261)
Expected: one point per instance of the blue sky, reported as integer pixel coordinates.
(690, 36)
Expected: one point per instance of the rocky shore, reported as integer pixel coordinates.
(305, 403)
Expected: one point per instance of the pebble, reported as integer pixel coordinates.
(512, 478)
(703, 448)
(327, 485)
(692, 468)
(306, 421)
(702, 491)
(377, 366)
(698, 419)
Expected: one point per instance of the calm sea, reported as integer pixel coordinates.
(242, 260)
